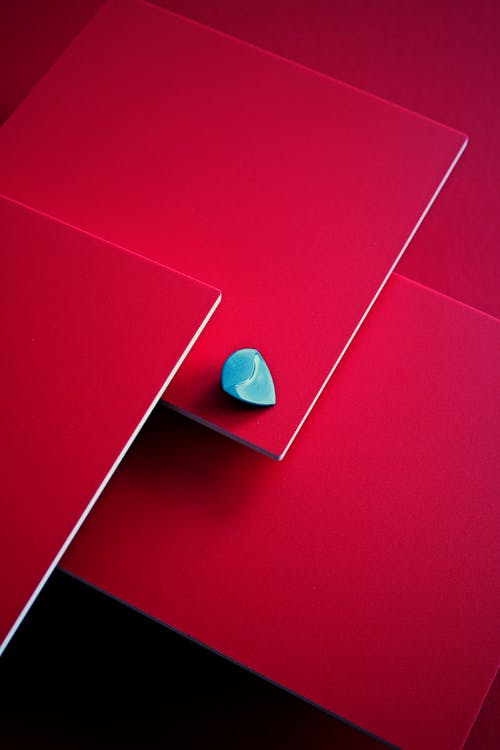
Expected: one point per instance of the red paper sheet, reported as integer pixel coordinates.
(90, 335)
(428, 56)
(292, 192)
(361, 572)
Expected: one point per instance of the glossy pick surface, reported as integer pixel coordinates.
(246, 377)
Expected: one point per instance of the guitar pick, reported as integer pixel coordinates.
(246, 377)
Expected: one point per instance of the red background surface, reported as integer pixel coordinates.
(433, 57)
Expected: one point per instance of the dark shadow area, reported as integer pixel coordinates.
(159, 458)
(86, 671)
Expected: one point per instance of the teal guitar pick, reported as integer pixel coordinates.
(246, 377)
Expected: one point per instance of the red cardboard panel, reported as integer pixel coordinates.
(90, 336)
(294, 193)
(425, 56)
(435, 57)
(362, 572)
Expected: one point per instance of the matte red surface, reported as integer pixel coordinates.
(89, 335)
(433, 56)
(32, 35)
(292, 192)
(361, 572)
(485, 734)
(437, 57)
